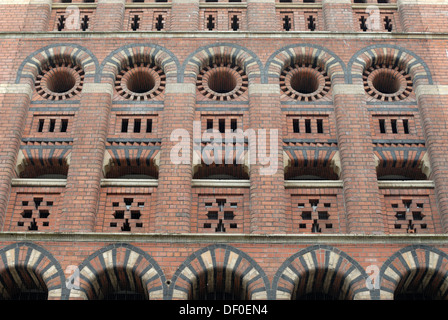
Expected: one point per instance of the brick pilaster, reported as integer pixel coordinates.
(14, 105)
(24, 15)
(84, 177)
(184, 15)
(261, 15)
(267, 190)
(338, 15)
(361, 193)
(432, 102)
(109, 15)
(174, 194)
(423, 15)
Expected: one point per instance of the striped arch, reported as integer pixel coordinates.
(219, 268)
(238, 55)
(41, 159)
(323, 269)
(116, 267)
(308, 53)
(128, 55)
(389, 54)
(132, 158)
(26, 264)
(77, 55)
(413, 268)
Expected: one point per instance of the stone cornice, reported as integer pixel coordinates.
(293, 239)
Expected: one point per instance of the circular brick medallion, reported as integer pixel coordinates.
(143, 82)
(387, 83)
(60, 82)
(222, 82)
(304, 82)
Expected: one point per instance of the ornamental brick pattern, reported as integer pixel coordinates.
(98, 97)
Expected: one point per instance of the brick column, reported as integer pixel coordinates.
(109, 15)
(432, 102)
(361, 193)
(174, 189)
(24, 15)
(267, 190)
(37, 15)
(84, 177)
(423, 15)
(184, 15)
(338, 15)
(261, 15)
(14, 105)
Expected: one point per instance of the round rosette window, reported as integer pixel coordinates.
(143, 82)
(222, 82)
(304, 82)
(387, 83)
(60, 82)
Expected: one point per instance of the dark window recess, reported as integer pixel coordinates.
(382, 123)
(209, 124)
(27, 214)
(287, 1)
(363, 24)
(85, 23)
(320, 126)
(43, 214)
(311, 23)
(52, 125)
(137, 125)
(235, 25)
(64, 125)
(40, 128)
(287, 23)
(307, 125)
(229, 215)
(388, 24)
(295, 126)
(124, 125)
(134, 24)
(315, 227)
(222, 125)
(393, 124)
(210, 22)
(119, 214)
(33, 225)
(220, 227)
(126, 226)
(406, 126)
(148, 125)
(233, 124)
(212, 215)
(61, 23)
(159, 22)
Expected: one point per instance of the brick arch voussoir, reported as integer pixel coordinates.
(415, 265)
(77, 55)
(249, 278)
(27, 262)
(118, 264)
(395, 56)
(336, 272)
(130, 55)
(313, 55)
(228, 53)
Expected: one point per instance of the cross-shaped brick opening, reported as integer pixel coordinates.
(35, 213)
(127, 214)
(221, 215)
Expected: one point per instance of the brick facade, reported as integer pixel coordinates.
(109, 116)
